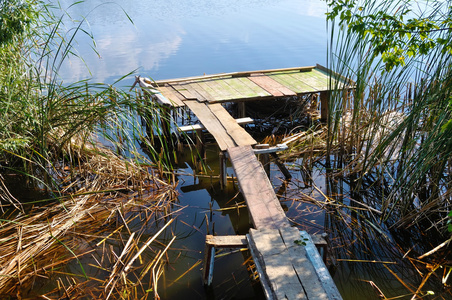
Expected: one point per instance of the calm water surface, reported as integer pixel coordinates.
(171, 39)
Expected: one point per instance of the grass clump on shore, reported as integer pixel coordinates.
(76, 143)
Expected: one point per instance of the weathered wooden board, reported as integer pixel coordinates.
(226, 241)
(290, 265)
(263, 206)
(212, 124)
(175, 98)
(312, 79)
(223, 94)
(322, 272)
(292, 83)
(305, 270)
(243, 89)
(238, 134)
(205, 94)
(183, 91)
(217, 95)
(271, 86)
(254, 87)
(271, 252)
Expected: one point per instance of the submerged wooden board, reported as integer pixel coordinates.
(263, 206)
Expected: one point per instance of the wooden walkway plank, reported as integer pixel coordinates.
(293, 84)
(238, 134)
(201, 90)
(271, 86)
(257, 89)
(311, 79)
(231, 91)
(297, 256)
(172, 95)
(263, 205)
(183, 91)
(242, 88)
(272, 256)
(320, 268)
(211, 123)
(223, 94)
(217, 95)
(195, 92)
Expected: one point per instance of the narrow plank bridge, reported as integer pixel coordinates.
(287, 260)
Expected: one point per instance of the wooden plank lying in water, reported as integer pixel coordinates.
(238, 134)
(263, 206)
(271, 86)
(212, 124)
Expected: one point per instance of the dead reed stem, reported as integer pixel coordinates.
(100, 198)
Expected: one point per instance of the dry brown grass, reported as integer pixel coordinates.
(107, 216)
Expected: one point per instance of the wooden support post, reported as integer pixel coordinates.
(223, 174)
(212, 242)
(324, 105)
(321, 244)
(199, 136)
(281, 166)
(241, 109)
(165, 122)
(264, 158)
(209, 258)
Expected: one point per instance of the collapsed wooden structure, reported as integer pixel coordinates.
(289, 265)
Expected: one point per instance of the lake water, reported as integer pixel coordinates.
(172, 39)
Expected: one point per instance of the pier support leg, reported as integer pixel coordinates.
(324, 106)
(281, 166)
(165, 122)
(200, 148)
(264, 158)
(223, 175)
(209, 258)
(241, 110)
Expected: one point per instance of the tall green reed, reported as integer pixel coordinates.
(41, 116)
(391, 123)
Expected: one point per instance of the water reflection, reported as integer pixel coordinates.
(171, 39)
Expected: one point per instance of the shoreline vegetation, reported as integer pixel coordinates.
(388, 140)
(103, 203)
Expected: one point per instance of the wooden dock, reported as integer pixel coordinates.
(289, 265)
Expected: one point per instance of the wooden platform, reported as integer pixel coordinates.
(246, 86)
(289, 265)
